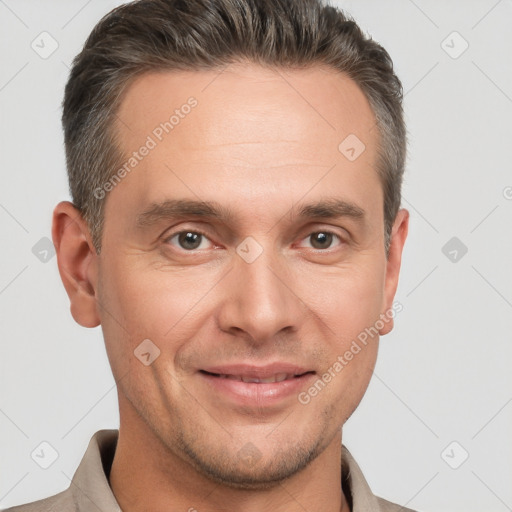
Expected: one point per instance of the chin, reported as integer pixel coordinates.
(248, 468)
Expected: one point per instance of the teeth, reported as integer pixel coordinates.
(278, 377)
(253, 379)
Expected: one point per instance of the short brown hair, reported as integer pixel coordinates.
(157, 35)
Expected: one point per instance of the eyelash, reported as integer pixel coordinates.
(198, 232)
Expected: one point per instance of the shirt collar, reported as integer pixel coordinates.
(355, 485)
(90, 485)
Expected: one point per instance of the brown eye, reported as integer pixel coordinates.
(189, 240)
(321, 240)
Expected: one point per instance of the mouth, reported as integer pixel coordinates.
(248, 378)
(256, 387)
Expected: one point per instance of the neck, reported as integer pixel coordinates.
(146, 475)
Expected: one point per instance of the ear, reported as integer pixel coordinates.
(398, 236)
(78, 262)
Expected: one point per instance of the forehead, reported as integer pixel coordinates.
(235, 100)
(251, 130)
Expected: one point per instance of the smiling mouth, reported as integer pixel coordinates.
(277, 377)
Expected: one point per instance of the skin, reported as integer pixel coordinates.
(262, 143)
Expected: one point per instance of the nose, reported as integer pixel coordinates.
(259, 300)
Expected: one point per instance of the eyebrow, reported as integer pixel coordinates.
(332, 208)
(177, 208)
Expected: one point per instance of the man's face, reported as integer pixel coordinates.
(263, 291)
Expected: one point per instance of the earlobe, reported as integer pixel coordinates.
(398, 237)
(77, 261)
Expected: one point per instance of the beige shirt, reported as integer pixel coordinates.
(90, 490)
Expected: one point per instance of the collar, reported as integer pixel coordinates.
(90, 483)
(355, 486)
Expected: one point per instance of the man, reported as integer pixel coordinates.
(235, 168)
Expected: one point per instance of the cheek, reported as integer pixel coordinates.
(348, 299)
(348, 303)
(163, 306)
(349, 311)
(140, 305)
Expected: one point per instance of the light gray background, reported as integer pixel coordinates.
(443, 374)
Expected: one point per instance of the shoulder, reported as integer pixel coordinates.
(387, 506)
(356, 487)
(63, 501)
(89, 488)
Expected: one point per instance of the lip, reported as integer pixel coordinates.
(260, 394)
(257, 372)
